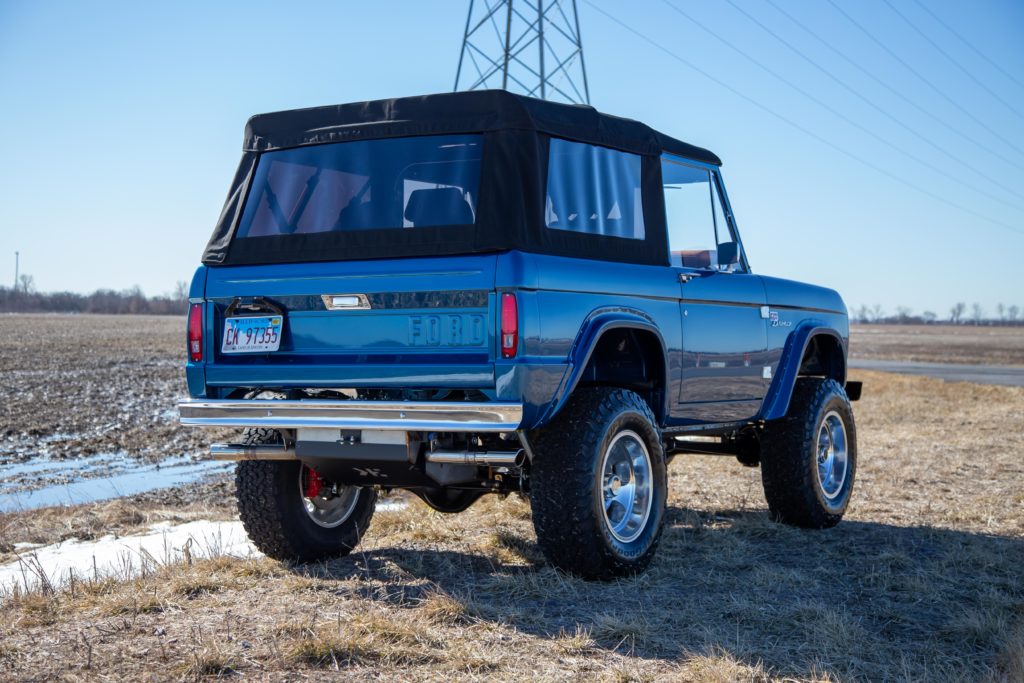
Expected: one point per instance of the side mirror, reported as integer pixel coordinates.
(728, 254)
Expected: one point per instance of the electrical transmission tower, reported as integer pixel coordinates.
(530, 46)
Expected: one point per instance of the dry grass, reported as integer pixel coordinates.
(922, 581)
(939, 343)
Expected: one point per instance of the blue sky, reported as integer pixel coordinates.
(123, 124)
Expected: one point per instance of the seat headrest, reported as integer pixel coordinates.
(441, 206)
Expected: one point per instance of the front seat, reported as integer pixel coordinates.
(441, 206)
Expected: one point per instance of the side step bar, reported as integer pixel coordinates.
(406, 416)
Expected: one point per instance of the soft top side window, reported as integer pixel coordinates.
(593, 190)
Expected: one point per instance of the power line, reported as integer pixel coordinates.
(970, 45)
(797, 126)
(923, 79)
(955, 63)
(881, 110)
(895, 92)
(835, 112)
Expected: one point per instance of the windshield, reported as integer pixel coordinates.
(366, 185)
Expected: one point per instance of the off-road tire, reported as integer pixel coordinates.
(789, 469)
(272, 512)
(566, 484)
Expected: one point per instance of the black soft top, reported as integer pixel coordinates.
(516, 131)
(476, 111)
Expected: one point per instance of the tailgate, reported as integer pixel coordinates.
(418, 322)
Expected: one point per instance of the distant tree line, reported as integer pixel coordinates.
(959, 314)
(25, 299)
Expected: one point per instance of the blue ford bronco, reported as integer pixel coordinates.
(479, 292)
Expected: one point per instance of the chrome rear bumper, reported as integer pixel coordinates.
(405, 416)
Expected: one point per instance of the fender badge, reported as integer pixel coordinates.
(773, 318)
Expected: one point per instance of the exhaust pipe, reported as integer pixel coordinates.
(233, 451)
(236, 451)
(484, 458)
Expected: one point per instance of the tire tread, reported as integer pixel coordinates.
(563, 484)
(790, 485)
(262, 500)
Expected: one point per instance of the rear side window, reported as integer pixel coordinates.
(365, 185)
(593, 190)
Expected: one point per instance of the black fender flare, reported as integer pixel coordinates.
(776, 402)
(593, 328)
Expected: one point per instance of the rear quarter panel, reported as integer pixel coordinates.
(557, 296)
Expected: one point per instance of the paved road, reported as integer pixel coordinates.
(1008, 375)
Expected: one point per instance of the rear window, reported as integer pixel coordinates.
(365, 185)
(593, 190)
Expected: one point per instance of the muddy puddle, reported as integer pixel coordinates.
(44, 481)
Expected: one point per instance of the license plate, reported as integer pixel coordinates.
(252, 335)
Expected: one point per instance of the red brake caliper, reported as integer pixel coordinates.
(313, 483)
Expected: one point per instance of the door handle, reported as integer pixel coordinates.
(686, 277)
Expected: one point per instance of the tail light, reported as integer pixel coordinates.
(509, 325)
(195, 333)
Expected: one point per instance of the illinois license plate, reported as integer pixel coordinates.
(252, 335)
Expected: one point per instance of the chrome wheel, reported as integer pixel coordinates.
(832, 455)
(328, 505)
(626, 486)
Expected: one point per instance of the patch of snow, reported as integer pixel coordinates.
(126, 556)
(24, 545)
(390, 505)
